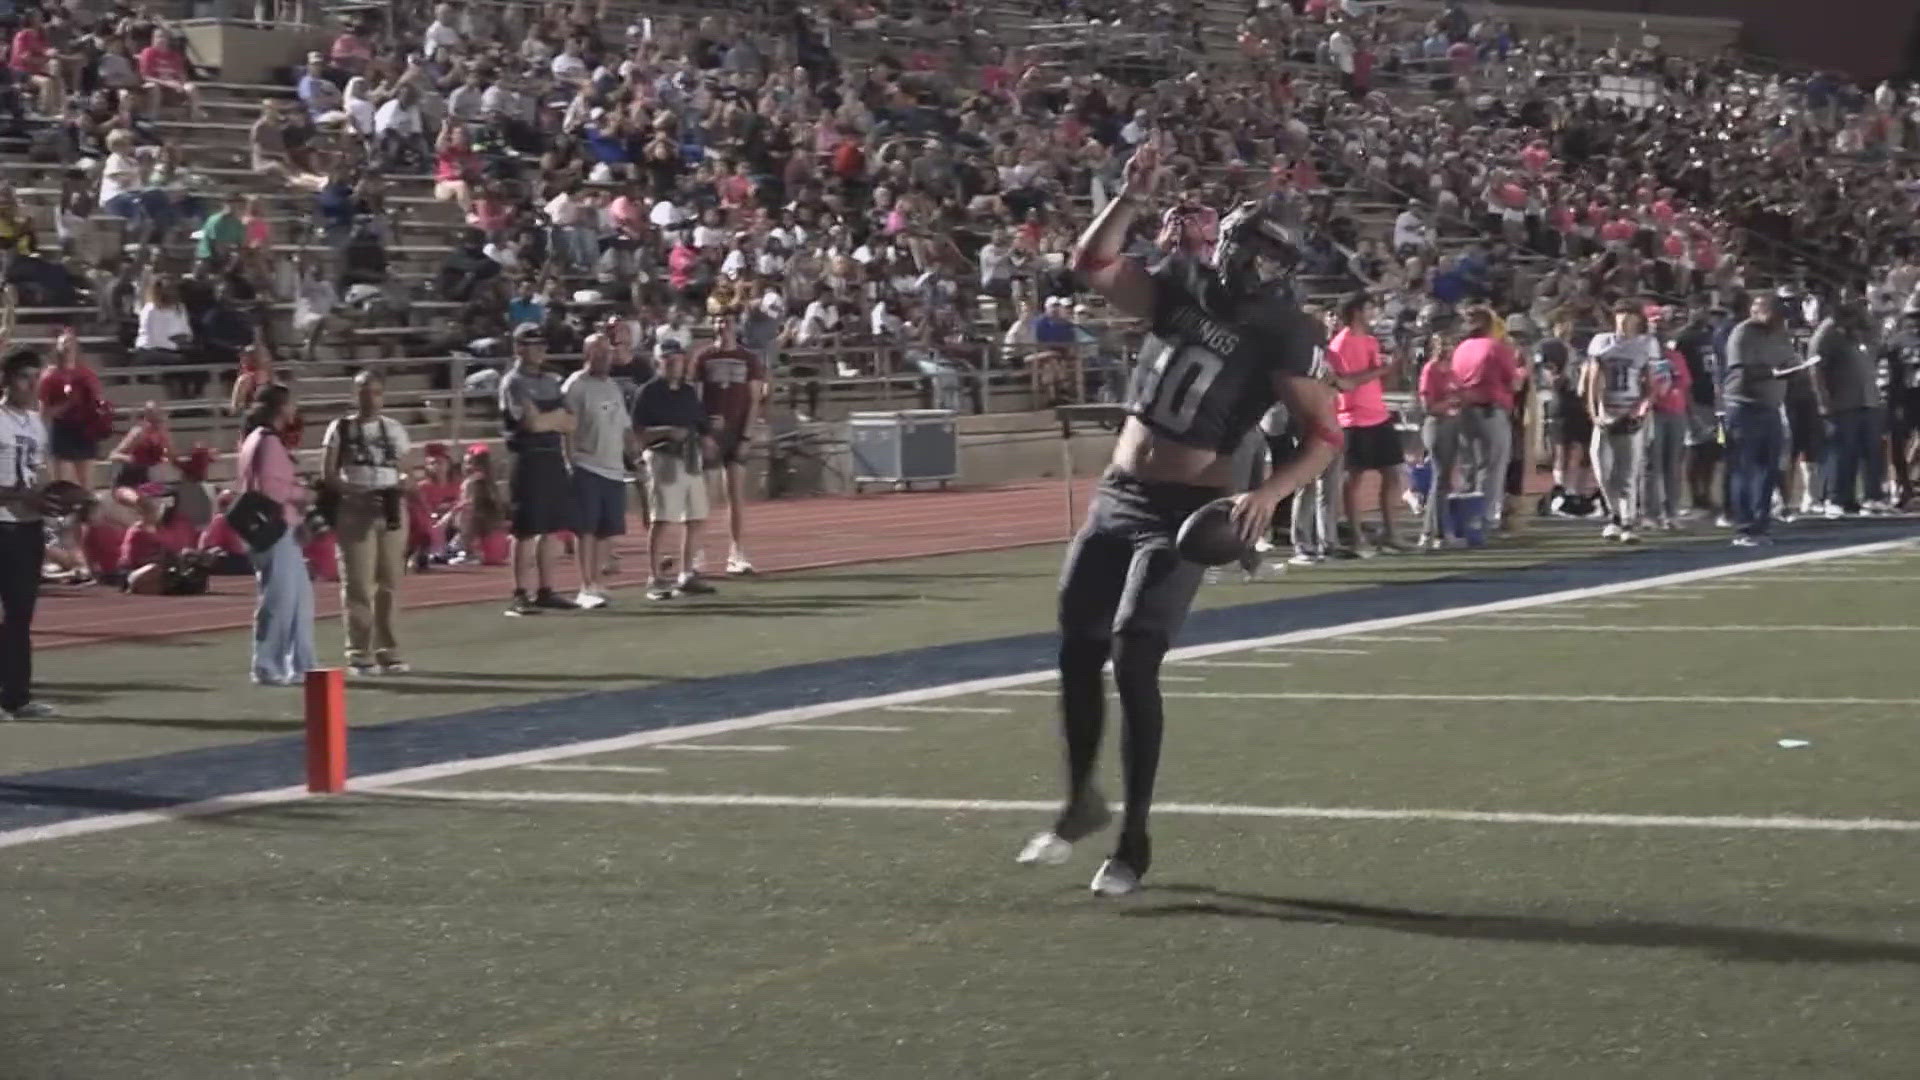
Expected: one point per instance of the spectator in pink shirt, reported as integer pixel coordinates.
(1487, 373)
(1667, 440)
(1373, 440)
(1440, 431)
(32, 59)
(283, 611)
(165, 69)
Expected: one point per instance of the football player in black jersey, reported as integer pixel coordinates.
(1226, 342)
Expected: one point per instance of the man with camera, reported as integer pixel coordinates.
(361, 472)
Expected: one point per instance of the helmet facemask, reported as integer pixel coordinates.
(1257, 247)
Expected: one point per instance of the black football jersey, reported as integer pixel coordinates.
(1204, 376)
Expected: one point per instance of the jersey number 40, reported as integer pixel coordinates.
(1177, 380)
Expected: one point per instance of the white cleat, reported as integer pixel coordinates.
(1045, 849)
(1115, 879)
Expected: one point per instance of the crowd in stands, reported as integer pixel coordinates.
(1500, 228)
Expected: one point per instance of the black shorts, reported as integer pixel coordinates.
(542, 494)
(1568, 423)
(1376, 446)
(732, 447)
(66, 442)
(1806, 431)
(1122, 574)
(599, 504)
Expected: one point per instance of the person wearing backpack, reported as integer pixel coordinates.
(362, 468)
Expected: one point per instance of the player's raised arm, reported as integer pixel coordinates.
(1097, 256)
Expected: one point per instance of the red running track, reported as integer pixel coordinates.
(785, 534)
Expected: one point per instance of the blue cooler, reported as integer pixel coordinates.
(1467, 518)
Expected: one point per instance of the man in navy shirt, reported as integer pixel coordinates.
(672, 425)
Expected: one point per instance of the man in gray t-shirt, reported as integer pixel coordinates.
(1759, 357)
(602, 439)
(1845, 383)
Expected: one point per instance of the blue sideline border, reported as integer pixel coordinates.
(56, 795)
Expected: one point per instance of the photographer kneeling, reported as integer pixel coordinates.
(361, 473)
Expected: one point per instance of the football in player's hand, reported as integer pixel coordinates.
(63, 497)
(1209, 536)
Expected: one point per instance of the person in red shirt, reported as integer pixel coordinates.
(76, 410)
(31, 58)
(733, 388)
(1488, 373)
(165, 68)
(159, 553)
(147, 444)
(1373, 440)
(100, 541)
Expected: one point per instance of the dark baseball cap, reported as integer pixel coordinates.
(527, 331)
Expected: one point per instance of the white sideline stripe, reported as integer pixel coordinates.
(1532, 615)
(1730, 587)
(1390, 638)
(1239, 663)
(875, 728)
(1564, 699)
(1662, 594)
(946, 709)
(596, 768)
(440, 770)
(1704, 629)
(1783, 823)
(744, 748)
(1317, 652)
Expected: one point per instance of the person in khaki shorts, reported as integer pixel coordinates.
(673, 426)
(363, 466)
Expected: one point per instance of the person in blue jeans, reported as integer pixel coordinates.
(1759, 357)
(283, 608)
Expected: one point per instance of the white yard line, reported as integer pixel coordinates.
(1771, 823)
(1564, 699)
(738, 748)
(878, 729)
(1843, 579)
(652, 769)
(664, 736)
(1308, 650)
(1410, 639)
(945, 709)
(1237, 663)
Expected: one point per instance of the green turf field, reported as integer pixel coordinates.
(1556, 841)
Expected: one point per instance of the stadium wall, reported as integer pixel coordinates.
(1866, 38)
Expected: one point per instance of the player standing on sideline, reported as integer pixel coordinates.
(1225, 343)
(733, 387)
(23, 537)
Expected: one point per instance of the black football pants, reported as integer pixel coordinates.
(1123, 594)
(22, 546)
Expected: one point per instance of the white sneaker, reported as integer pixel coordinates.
(1723, 522)
(1628, 536)
(738, 566)
(1306, 558)
(1045, 849)
(1262, 546)
(1115, 879)
(1611, 532)
(1833, 511)
(33, 710)
(588, 599)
